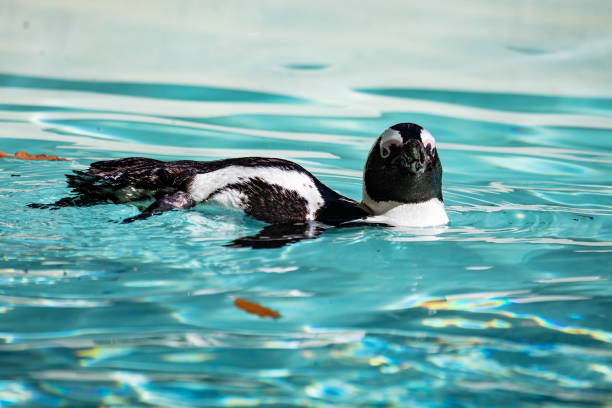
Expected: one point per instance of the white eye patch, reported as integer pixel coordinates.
(427, 139)
(389, 138)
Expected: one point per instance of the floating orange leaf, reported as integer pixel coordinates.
(23, 155)
(255, 308)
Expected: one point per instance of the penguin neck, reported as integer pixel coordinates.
(422, 214)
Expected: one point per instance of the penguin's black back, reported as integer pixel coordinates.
(138, 178)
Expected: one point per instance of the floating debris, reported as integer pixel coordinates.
(23, 155)
(255, 308)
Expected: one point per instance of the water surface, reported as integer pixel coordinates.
(508, 305)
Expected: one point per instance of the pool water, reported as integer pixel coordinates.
(510, 304)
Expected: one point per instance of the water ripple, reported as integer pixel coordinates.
(508, 303)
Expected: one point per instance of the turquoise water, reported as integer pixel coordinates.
(509, 305)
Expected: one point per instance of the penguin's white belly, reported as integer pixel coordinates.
(230, 198)
(240, 187)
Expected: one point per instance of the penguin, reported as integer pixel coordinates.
(402, 186)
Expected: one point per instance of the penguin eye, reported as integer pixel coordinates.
(388, 138)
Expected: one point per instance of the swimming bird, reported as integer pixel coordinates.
(402, 185)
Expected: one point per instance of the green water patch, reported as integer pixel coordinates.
(337, 125)
(172, 135)
(445, 129)
(37, 108)
(306, 67)
(502, 101)
(148, 90)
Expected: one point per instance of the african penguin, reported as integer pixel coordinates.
(402, 185)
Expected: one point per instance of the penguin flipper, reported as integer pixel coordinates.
(278, 235)
(179, 199)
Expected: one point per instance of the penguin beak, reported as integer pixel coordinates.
(413, 157)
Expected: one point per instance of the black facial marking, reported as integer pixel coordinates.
(409, 174)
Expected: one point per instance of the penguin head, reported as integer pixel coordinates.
(402, 167)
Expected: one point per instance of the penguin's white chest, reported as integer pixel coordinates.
(426, 214)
